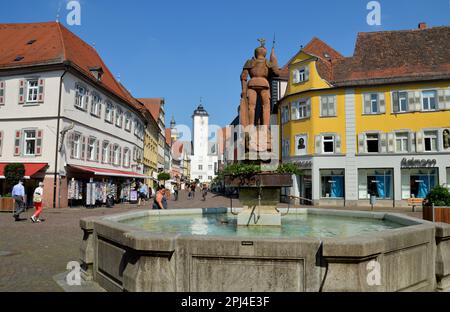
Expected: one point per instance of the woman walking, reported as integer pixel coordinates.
(37, 201)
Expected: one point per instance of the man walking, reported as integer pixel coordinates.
(18, 193)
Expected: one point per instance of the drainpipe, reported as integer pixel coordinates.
(57, 144)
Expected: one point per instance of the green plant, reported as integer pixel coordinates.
(289, 168)
(163, 176)
(13, 173)
(241, 170)
(439, 196)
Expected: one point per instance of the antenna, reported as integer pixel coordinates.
(58, 12)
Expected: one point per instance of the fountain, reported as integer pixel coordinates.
(255, 248)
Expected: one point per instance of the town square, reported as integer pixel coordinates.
(225, 147)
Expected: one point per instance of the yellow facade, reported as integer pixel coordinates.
(151, 150)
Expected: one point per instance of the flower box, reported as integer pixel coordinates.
(6, 204)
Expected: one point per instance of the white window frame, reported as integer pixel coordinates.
(431, 134)
(405, 97)
(127, 117)
(402, 136)
(80, 100)
(109, 112)
(92, 149)
(119, 118)
(96, 104)
(327, 113)
(26, 139)
(76, 145)
(376, 102)
(126, 158)
(333, 140)
(105, 152)
(429, 109)
(32, 91)
(285, 114)
(116, 155)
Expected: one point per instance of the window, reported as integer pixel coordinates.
(372, 143)
(127, 122)
(400, 102)
(417, 183)
(76, 146)
(1, 142)
(109, 112)
(126, 158)
(96, 106)
(2, 92)
(209, 178)
(332, 183)
(210, 167)
(328, 106)
(29, 142)
(285, 149)
(429, 100)
(285, 114)
(116, 155)
(300, 110)
(119, 118)
(300, 75)
(105, 152)
(328, 144)
(200, 177)
(91, 151)
(200, 167)
(376, 182)
(430, 141)
(374, 103)
(81, 97)
(32, 91)
(401, 142)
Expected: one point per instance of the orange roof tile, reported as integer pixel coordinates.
(153, 105)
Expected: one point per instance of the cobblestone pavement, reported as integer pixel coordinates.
(31, 254)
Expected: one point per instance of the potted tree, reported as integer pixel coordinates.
(437, 205)
(13, 173)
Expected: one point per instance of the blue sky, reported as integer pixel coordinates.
(184, 50)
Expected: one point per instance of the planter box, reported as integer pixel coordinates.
(261, 179)
(440, 214)
(6, 204)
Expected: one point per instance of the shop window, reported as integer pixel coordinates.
(417, 183)
(328, 144)
(402, 142)
(430, 141)
(372, 143)
(332, 183)
(429, 100)
(375, 182)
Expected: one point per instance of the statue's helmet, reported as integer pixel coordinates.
(260, 52)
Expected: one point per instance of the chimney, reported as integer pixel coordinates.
(422, 26)
(97, 72)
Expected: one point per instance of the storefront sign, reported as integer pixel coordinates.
(418, 163)
(304, 164)
(133, 196)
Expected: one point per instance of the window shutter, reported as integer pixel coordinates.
(41, 83)
(366, 108)
(318, 144)
(447, 99)
(308, 107)
(17, 141)
(338, 144)
(111, 154)
(97, 150)
(306, 73)
(70, 141)
(440, 104)
(1, 142)
(39, 138)
(419, 142)
(324, 106)
(412, 142)
(83, 148)
(87, 99)
(2, 92)
(382, 103)
(411, 102)
(383, 143)
(332, 109)
(395, 102)
(361, 145)
(22, 91)
(417, 100)
(391, 142)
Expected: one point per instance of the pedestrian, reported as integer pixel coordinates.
(204, 192)
(193, 190)
(37, 201)
(175, 192)
(143, 190)
(18, 193)
(159, 198)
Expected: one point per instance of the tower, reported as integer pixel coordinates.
(200, 120)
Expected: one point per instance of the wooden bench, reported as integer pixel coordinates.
(413, 202)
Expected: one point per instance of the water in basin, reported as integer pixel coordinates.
(293, 225)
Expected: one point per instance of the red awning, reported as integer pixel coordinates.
(30, 169)
(109, 172)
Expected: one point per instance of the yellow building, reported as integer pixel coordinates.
(376, 123)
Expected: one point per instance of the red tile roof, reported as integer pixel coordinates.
(54, 44)
(168, 136)
(153, 105)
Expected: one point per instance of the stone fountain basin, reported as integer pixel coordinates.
(121, 257)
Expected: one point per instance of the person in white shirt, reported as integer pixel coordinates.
(37, 200)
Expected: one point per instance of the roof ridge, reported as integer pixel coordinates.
(62, 41)
(402, 30)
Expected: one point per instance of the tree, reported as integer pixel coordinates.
(439, 196)
(163, 176)
(14, 173)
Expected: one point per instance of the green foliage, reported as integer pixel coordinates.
(241, 170)
(289, 168)
(163, 176)
(13, 173)
(439, 196)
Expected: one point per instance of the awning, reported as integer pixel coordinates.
(30, 169)
(110, 172)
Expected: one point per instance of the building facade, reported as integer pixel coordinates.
(151, 149)
(374, 124)
(63, 109)
(204, 155)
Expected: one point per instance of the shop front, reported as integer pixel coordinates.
(376, 182)
(418, 182)
(91, 187)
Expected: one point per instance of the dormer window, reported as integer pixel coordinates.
(97, 72)
(300, 74)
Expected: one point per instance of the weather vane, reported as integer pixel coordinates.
(262, 41)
